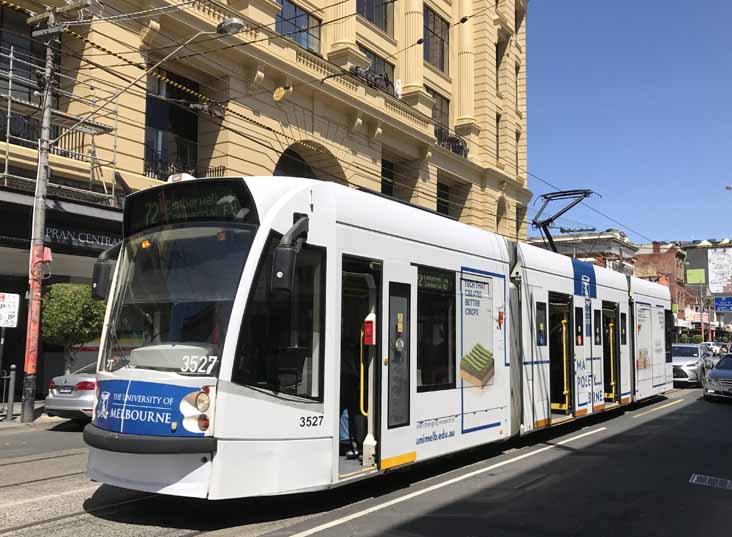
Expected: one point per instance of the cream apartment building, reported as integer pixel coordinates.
(437, 119)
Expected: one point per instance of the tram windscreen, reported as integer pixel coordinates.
(177, 277)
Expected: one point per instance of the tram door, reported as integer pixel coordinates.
(583, 355)
(561, 355)
(398, 357)
(359, 351)
(611, 351)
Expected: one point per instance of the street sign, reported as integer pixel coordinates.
(9, 310)
(723, 304)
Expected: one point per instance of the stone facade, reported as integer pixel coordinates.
(276, 97)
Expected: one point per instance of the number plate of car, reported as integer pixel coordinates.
(65, 389)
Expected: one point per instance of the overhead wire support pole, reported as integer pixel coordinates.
(35, 269)
(38, 228)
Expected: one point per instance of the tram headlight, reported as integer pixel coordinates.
(203, 401)
(203, 422)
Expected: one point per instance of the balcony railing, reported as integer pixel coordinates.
(450, 141)
(159, 166)
(25, 132)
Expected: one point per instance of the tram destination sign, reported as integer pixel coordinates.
(723, 304)
(9, 304)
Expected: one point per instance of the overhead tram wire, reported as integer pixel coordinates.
(107, 51)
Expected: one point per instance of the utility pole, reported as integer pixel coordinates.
(38, 229)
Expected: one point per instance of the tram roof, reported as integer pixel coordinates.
(649, 289)
(384, 215)
(533, 257)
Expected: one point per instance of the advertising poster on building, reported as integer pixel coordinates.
(720, 270)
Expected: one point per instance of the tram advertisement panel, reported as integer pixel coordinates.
(147, 408)
(482, 347)
(644, 358)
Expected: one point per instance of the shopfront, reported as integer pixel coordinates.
(76, 233)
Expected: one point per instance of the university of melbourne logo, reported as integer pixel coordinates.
(103, 408)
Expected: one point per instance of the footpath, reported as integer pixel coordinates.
(40, 422)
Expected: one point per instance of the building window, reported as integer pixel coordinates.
(498, 137)
(171, 129)
(440, 116)
(387, 177)
(443, 198)
(378, 12)
(436, 44)
(379, 66)
(520, 215)
(435, 329)
(516, 86)
(298, 25)
(516, 152)
(501, 47)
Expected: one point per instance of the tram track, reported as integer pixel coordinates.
(38, 523)
(45, 458)
(40, 480)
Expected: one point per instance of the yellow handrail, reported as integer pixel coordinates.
(612, 360)
(564, 362)
(363, 412)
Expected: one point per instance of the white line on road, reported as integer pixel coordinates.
(438, 486)
(674, 402)
(49, 496)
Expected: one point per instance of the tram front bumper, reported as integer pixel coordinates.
(164, 465)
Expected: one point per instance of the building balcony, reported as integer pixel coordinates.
(452, 142)
(25, 132)
(158, 165)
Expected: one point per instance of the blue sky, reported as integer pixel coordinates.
(633, 99)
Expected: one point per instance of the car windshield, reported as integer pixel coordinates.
(685, 352)
(88, 369)
(724, 363)
(174, 292)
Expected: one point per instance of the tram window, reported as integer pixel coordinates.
(281, 339)
(623, 328)
(598, 327)
(578, 313)
(541, 324)
(435, 330)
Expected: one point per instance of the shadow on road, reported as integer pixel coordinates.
(114, 504)
(70, 426)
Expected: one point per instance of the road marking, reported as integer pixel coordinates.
(709, 481)
(672, 403)
(438, 486)
(49, 496)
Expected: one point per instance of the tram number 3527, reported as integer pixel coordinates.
(311, 421)
(198, 364)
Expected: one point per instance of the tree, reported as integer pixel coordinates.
(683, 338)
(70, 316)
(697, 338)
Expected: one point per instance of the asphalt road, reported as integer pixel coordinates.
(625, 473)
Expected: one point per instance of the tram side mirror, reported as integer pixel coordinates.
(284, 259)
(103, 272)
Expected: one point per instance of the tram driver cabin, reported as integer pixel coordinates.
(292, 335)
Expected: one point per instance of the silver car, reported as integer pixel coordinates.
(718, 383)
(690, 362)
(72, 396)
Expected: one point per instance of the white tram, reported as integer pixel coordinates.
(254, 323)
